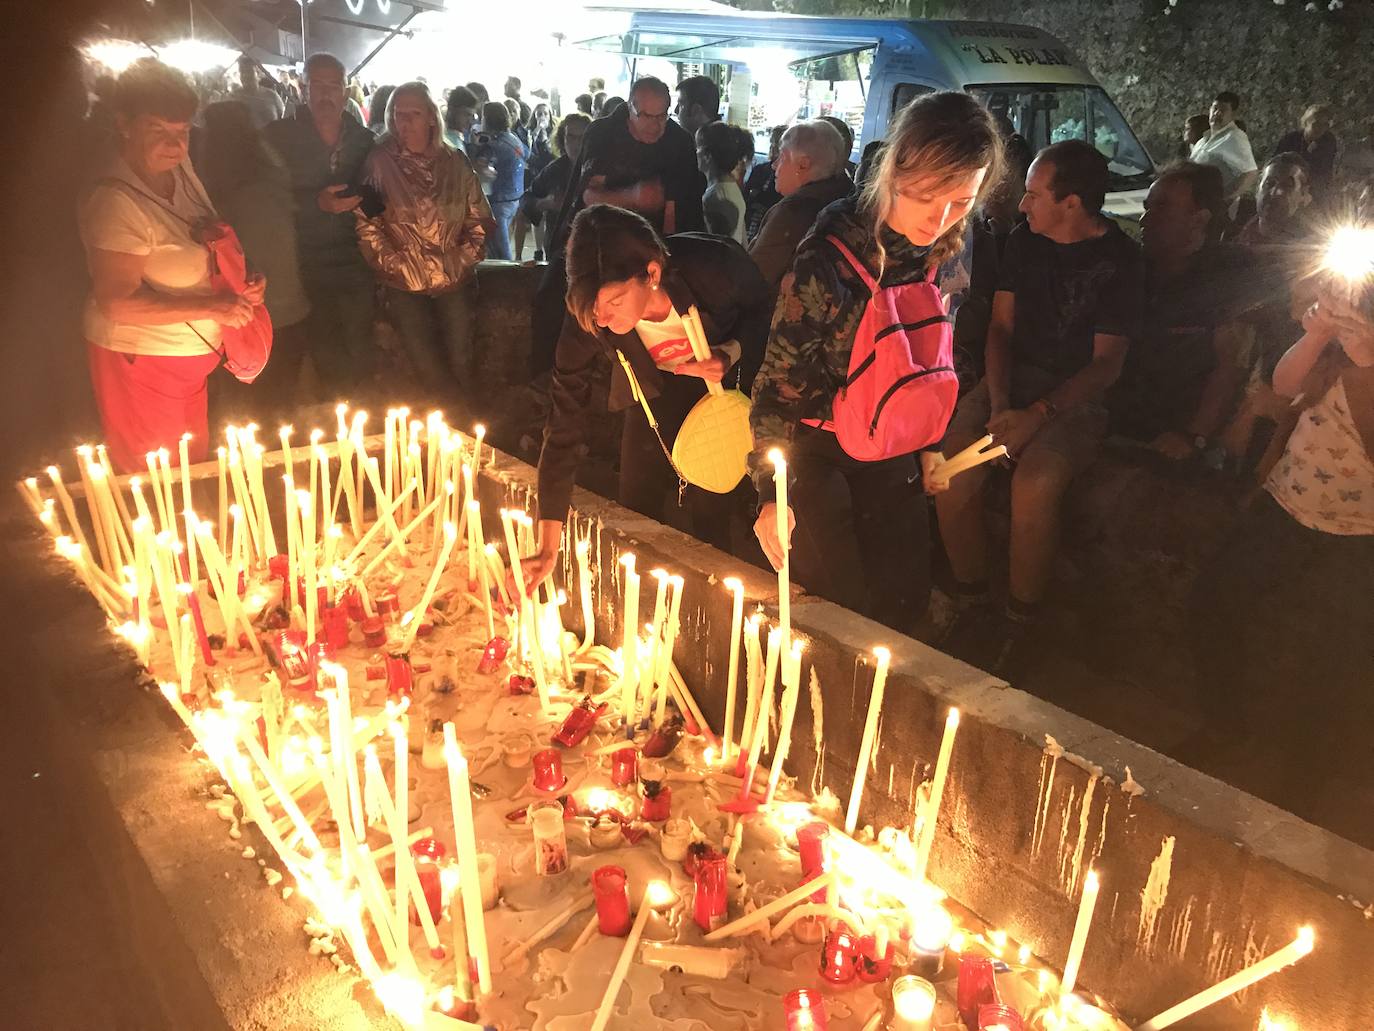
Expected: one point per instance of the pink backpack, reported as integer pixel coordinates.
(901, 388)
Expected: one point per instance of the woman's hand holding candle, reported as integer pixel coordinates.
(539, 567)
(766, 530)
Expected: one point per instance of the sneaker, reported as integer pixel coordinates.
(538, 256)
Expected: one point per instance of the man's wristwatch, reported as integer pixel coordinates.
(1200, 444)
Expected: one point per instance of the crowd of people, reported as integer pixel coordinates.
(1217, 339)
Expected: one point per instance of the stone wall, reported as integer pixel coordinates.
(1161, 68)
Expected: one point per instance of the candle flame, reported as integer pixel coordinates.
(953, 719)
(1307, 940)
(1090, 883)
(660, 894)
(775, 456)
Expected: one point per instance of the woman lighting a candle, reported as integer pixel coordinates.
(628, 291)
(860, 534)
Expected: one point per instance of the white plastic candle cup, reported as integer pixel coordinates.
(515, 751)
(605, 832)
(676, 836)
(550, 840)
(913, 1004)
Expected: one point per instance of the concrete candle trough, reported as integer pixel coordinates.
(1197, 880)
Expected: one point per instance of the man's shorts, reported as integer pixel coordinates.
(1075, 435)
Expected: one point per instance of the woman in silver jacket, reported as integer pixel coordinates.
(427, 240)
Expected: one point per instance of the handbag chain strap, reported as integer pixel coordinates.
(653, 422)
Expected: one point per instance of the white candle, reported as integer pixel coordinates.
(650, 673)
(1086, 904)
(629, 648)
(736, 588)
(529, 628)
(222, 459)
(465, 842)
(479, 549)
(401, 785)
(405, 865)
(622, 966)
(791, 686)
(1289, 954)
(479, 432)
(83, 467)
(784, 542)
(765, 701)
(937, 790)
(165, 465)
(308, 538)
(753, 675)
(875, 708)
(767, 912)
(418, 613)
(288, 460)
(68, 509)
(665, 656)
(584, 590)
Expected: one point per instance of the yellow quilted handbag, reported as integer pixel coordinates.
(713, 445)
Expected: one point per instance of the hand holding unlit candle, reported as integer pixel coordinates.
(971, 456)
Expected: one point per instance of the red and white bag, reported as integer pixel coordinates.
(901, 387)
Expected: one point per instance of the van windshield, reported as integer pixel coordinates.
(1046, 114)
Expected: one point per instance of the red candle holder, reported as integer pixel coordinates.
(811, 844)
(295, 660)
(711, 902)
(493, 655)
(611, 888)
(336, 626)
(428, 853)
(519, 684)
(279, 568)
(840, 958)
(996, 1017)
(658, 806)
(389, 606)
(352, 602)
(977, 988)
(399, 676)
(624, 767)
(872, 966)
(804, 1010)
(548, 770)
(664, 739)
(374, 631)
(579, 723)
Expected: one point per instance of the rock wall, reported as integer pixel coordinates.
(1161, 67)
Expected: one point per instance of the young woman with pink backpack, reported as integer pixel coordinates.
(858, 377)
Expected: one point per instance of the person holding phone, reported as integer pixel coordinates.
(324, 148)
(153, 322)
(1282, 621)
(426, 239)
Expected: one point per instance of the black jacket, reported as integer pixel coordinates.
(712, 272)
(788, 222)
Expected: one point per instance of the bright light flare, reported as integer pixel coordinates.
(1350, 253)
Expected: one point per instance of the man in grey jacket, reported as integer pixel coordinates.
(810, 175)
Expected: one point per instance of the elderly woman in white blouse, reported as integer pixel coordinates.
(153, 321)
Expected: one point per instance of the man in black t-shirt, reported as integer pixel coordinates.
(1069, 299)
(635, 158)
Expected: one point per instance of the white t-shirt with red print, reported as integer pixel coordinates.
(666, 341)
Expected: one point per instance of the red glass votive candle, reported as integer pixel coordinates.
(279, 568)
(336, 626)
(374, 631)
(624, 767)
(399, 678)
(711, 902)
(976, 988)
(611, 888)
(579, 723)
(996, 1017)
(658, 806)
(548, 770)
(428, 852)
(840, 957)
(804, 1010)
(811, 844)
(389, 607)
(353, 604)
(875, 963)
(493, 654)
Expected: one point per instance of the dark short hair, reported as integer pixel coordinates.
(479, 91)
(650, 84)
(607, 245)
(560, 135)
(495, 117)
(322, 58)
(845, 130)
(725, 145)
(1205, 184)
(1231, 100)
(149, 87)
(700, 91)
(1287, 162)
(1080, 170)
(583, 103)
(610, 104)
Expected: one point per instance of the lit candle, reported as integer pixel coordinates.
(479, 549)
(753, 675)
(83, 467)
(1086, 904)
(650, 672)
(791, 690)
(528, 623)
(400, 775)
(736, 588)
(308, 539)
(164, 464)
(937, 790)
(288, 460)
(405, 866)
(875, 708)
(418, 613)
(1289, 954)
(784, 542)
(622, 965)
(222, 460)
(665, 656)
(629, 648)
(584, 590)
(804, 1010)
(913, 1004)
(465, 844)
(479, 432)
(69, 509)
(765, 706)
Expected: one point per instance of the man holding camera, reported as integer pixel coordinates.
(324, 149)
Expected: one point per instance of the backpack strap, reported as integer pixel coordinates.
(855, 263)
